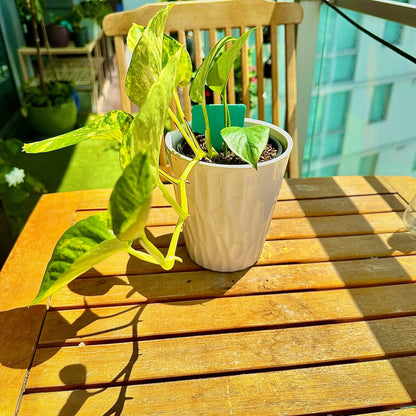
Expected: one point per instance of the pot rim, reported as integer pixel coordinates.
(249, 121)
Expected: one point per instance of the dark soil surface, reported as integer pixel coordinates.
(270, 152)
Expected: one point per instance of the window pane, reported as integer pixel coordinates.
(345, 37)
(368, 165)
(344, 68)
(380, 102)
(336, 110)
(332, 145)
(392, 32)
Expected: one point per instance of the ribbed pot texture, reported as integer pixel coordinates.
(230, 207)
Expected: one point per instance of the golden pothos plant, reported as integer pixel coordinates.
(159, 65)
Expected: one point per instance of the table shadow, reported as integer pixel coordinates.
(399, 241)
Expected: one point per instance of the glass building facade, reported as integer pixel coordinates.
(362, 117)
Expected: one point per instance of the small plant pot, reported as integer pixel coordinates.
(92, 27)
(80, 37)
(58, 35)
(52, 121)
(230, 206)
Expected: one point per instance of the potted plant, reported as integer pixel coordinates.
(94, 12)
(58, 33)
(50, 110)
(79, 32)
(49, 106)
(158, 66)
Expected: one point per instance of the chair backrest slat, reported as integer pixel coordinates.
(274, 74)
(204, 22)
(231, 79)
(119, 47)
(260, 73)
(291, 97)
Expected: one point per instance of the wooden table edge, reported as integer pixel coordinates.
(54, 214)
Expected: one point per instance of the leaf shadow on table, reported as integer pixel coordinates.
(75, 375)
(383, 287)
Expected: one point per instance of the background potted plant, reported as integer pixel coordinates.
(158, 66)
(58, 32)
(94, 12)
(79, 32)
(49, 106)
(51, 109)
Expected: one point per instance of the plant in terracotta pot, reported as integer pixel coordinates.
(158, 66)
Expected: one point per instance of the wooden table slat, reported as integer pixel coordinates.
(97, 291)
(300, 188)
(227, 352)
(219, 314)
(304, 250)
(409, 411)
(301, 227)
(296, 392)
(367, 204)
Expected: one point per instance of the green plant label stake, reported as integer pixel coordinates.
(216, 120)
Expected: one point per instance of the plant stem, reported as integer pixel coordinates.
(227, 118)
(142, 256)
(37, 42)
(211, 150)
(190, 138)
(165, 262)
(169, 198)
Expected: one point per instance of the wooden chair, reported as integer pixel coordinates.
(225, 15)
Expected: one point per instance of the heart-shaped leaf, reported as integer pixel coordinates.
(220, 71)
(146, 62)
(197, 90)
(131, 198)
(148, 125)
(247, 142)
(112, 125)
(81, 247)
(170, 48)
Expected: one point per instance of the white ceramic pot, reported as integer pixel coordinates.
(230, 207)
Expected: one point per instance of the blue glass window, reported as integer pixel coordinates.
(368, 164)
(336, 110)
(380, 102)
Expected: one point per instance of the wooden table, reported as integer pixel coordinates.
(323, 324)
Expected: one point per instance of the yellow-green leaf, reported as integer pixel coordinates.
(81, 247)
(131, 198)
